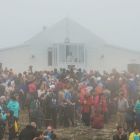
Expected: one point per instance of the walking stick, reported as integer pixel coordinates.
(74, 114)
(74, 121)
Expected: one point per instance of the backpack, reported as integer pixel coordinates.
(53, 103)
(98, 121)
(17, 128)
(137, 107)
(35, 105)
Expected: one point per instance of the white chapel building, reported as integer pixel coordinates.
(67, 43)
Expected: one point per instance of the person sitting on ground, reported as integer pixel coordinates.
(120, 134)
(49, 134)
(29, 132)
(135, 135)
(39, 136)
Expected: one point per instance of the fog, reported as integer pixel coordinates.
(115, 21)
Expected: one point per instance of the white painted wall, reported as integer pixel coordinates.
(113, 58)
(20, 58)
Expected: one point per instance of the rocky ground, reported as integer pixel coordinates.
(79, 132)
(84, 133)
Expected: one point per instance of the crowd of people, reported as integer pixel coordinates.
(61, 98)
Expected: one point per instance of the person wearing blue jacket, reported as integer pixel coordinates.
(13, 105)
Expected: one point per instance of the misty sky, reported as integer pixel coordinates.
(116, 21)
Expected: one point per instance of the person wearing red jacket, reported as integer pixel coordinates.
(86, 110)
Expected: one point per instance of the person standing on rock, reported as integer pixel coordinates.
(120, 135)
(137, 112)
(86, 110)
(13, 105)
(122, 105)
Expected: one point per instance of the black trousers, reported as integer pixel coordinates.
(51, 114)
(12, 134)
(86, 118)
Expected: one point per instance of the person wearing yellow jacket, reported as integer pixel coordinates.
(135, 135)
